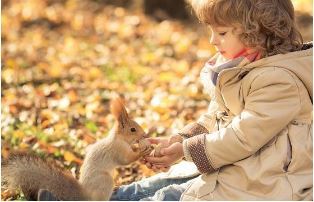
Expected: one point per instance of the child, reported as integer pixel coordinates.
(255, 142)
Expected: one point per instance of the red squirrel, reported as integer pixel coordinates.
(124, 144)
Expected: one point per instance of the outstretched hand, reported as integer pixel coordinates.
(169, 151)
(169, 155)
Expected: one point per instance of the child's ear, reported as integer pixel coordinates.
(119, 112)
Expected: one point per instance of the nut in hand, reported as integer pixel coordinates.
(156, 152)
(145, 147)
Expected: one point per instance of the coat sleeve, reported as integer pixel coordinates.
(208, 120)
(205, 124)
(272, 102)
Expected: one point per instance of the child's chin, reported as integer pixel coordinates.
(227, 57)
(223, 53)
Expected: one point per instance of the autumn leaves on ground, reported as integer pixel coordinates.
(62, 62)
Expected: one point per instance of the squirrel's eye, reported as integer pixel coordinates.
(133, 129)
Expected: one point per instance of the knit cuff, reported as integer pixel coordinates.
(187, 155)
(194, 148)
(192, 129)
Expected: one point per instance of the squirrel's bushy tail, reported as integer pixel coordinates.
(30, 173)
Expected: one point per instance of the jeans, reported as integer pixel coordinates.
(155, 188)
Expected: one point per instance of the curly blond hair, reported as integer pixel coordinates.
(268, 25)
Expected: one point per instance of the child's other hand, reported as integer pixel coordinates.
(169, 156)
(165, 141)
(161, 141)
(155, 168)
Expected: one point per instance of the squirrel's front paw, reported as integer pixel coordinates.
(145, 147)
(135, 147)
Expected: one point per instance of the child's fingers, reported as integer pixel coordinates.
(159, 165)
(142, 161)
(157, 160)
(153, 140)
(165, 169)
(162, 168)
(172, 149)
(166, 151)
(158, 168)
(155, 169)
(148, 165)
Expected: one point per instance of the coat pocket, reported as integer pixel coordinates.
(300, 135)
(300, 169)
(289, 155)
(276, 154)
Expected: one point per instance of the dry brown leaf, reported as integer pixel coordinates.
(6, 194)
(90, 139)
(70, 157)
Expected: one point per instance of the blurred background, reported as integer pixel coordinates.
(63, 60)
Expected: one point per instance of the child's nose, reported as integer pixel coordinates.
(213, 40)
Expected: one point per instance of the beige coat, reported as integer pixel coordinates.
(260, 140)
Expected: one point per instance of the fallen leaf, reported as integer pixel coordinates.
(70, 157)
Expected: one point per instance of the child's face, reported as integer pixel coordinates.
(226, 41)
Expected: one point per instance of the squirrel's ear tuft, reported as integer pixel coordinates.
(118, 110)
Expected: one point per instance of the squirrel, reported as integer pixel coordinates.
(124, 144)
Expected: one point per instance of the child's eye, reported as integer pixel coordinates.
(222, 33)
(133, 130)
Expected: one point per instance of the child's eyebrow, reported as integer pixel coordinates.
(220, 28)
(223, 28)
